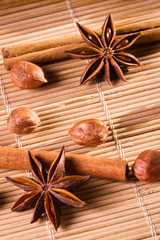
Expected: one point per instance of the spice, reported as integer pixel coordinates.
(54, 49)
(23, 121)
(26, 75)
(48, 189)
(90, 132)
(100, 167)
(106, 51)
(147, 166)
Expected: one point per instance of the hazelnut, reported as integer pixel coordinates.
(147, 166)
(23, 121)
(26, 75)
(91, 132)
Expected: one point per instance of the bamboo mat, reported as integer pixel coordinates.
(114, 210)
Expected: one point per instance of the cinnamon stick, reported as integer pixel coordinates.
(101, 167)
(54, 49)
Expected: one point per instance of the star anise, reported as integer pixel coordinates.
(47, 189)
(107, 50)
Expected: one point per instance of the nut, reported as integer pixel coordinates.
(147, 166)
(23, 121)
(26, 75)
(91, 132)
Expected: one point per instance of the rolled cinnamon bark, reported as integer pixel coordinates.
(43, 56)
(54, 49)
(100, 167)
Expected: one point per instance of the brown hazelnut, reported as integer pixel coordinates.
(23, 121)
(147, 166)
(26, 75)
(91, 132)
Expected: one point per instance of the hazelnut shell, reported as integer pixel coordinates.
(90, 132)
(26, 75)
(23, 121)
(147, 166)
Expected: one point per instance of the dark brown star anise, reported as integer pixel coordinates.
(106, 49)
(47, 189)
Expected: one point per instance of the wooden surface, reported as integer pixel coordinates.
(114, 210)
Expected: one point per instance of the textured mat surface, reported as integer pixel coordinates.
(114, 210)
